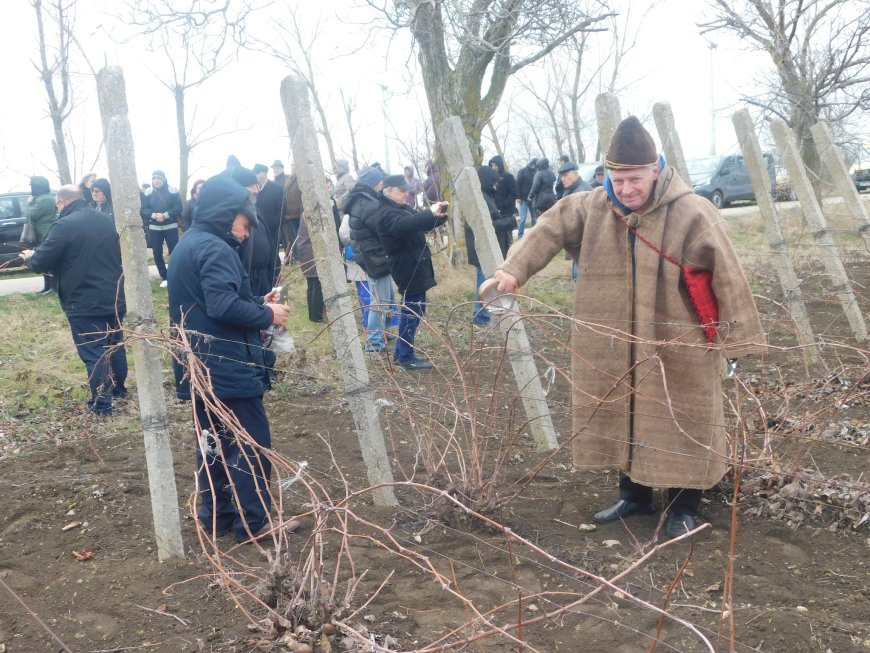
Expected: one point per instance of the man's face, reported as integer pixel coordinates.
(396, 194)
(277, 170)
(241, 229)
(262, 177)
(254, 190)
(633, 186)
(98, 195)
(494, 166)
(599, 177)
(157, 182)
(568, 178)
(409, 173)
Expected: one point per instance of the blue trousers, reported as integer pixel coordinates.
(230, 467)
(526, 210)
(479, 314)
(413, 308)
(156, 238)
(365, 298)
(99, 343)
(381, 311)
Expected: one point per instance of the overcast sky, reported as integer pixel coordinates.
(671, 62)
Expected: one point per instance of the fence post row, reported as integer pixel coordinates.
(815, 219)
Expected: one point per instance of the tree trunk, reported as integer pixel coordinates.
(183, 145)
(60, 152)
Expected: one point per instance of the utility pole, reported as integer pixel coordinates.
(712, 46)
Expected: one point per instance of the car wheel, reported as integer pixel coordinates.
(718, 200)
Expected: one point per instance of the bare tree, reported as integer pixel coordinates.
(468, 49)
(820, 51)
(53, 67)
(197, 39)
(349, 106)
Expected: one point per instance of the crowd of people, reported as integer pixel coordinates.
(649, 258)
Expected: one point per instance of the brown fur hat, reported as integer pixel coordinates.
(631, 146)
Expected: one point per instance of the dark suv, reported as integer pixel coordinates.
(11, 223)
(861, 179)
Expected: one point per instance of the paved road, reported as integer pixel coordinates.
(34, 283)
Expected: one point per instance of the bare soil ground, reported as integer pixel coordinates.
(799, 581)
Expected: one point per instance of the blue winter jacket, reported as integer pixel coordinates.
(210, 294)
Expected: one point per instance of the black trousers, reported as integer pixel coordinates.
(156, 238)
(680, 499)
(99, 343)
(315, 299)
(233, 477)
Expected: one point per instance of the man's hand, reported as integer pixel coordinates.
(272, 296)
(507, 283)
(279, 313)
(440, 208)
(26, 254)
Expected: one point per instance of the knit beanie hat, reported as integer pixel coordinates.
(159, 174)
(370, 176)
(631, 146)
(244, 176)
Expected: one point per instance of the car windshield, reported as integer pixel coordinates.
(700, 169)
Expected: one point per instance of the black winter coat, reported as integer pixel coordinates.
(403, 234)
(210, 291)
(83, 251)
(502, 225)
(542, 196)
(506, 191)
(163, 200)
(270, 208)
(361, 204)
(525, 177)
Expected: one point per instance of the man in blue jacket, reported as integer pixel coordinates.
(161, 209)
(210, 298)
(83, 252)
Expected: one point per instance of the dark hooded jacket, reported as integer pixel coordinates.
(503, 226)
(210, 292)
(403, 234)
(83, 251)
(543, 196)
(525, 177)
(361, 204)
(104, 207)
(506, 192)
(41, 209)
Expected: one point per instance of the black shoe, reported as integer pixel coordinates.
(622, 509)
(679, 523)
(415, 364)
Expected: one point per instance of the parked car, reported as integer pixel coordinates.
(862, 179)
(724, 179)
(11, 223)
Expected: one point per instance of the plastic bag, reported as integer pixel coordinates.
(282, 342)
